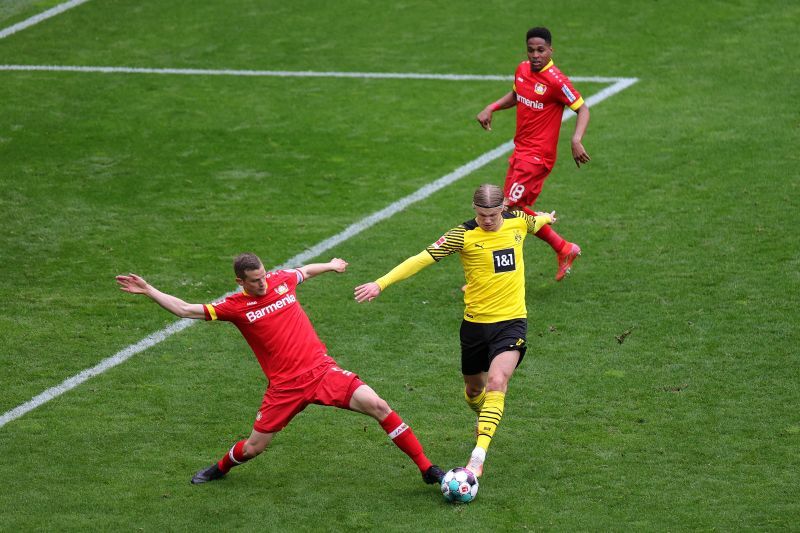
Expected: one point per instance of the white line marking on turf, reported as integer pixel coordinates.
(301, 258)
(288, 73)
(36, 19)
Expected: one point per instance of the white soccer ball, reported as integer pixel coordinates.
(459, 485)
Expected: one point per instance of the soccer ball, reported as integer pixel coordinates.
(459, 485)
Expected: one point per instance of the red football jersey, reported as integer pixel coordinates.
(541, 98)
(275, 326)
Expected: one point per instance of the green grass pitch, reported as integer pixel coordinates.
(687, 216)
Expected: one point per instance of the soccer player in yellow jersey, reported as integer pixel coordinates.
(494, 329)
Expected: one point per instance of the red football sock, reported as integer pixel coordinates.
(404, 438)
(548, 235)
(234, 457)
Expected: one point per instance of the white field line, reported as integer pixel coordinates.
(300, 259)
(36, 19)
(289, 73)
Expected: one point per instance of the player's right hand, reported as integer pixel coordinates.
(367, 292)
(132, 284)
(484, 118)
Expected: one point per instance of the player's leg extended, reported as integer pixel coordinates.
(365, 400)
(276, 411)
(500, 371)
(241, 452)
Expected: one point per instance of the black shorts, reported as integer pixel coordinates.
(480, 343)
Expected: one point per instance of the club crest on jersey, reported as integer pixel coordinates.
(439, 243)
(282, 289)
(539, 88)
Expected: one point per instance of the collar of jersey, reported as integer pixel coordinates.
(251, 295)
(547, 66)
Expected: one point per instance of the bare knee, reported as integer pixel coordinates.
(497, 383)
(366, 401)
(372, 405)
(379, 409)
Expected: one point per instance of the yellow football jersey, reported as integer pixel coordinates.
(493, 266)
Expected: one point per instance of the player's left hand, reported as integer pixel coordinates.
(543, 218)
(338, 265)
(579, 153)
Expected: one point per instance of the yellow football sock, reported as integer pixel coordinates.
(489, 417)
(476, 403)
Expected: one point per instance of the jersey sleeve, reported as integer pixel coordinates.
(568, 95)
(534, 223)
(404, 270)
(448, 244)
(222, 310)
(516, 75)
(298, 276)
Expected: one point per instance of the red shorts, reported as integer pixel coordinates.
(325, 385)
(524, 182)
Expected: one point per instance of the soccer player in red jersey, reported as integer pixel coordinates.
(540, 93)
(295, 361)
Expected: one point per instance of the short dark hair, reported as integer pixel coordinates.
(245, 262)
(541, 32)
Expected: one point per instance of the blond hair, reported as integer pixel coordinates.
(488, 196)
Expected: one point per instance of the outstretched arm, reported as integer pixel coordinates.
(542, 219)
(136, 285)
(581, 122)
(315, 269)
(369, 291)
(485, 117)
